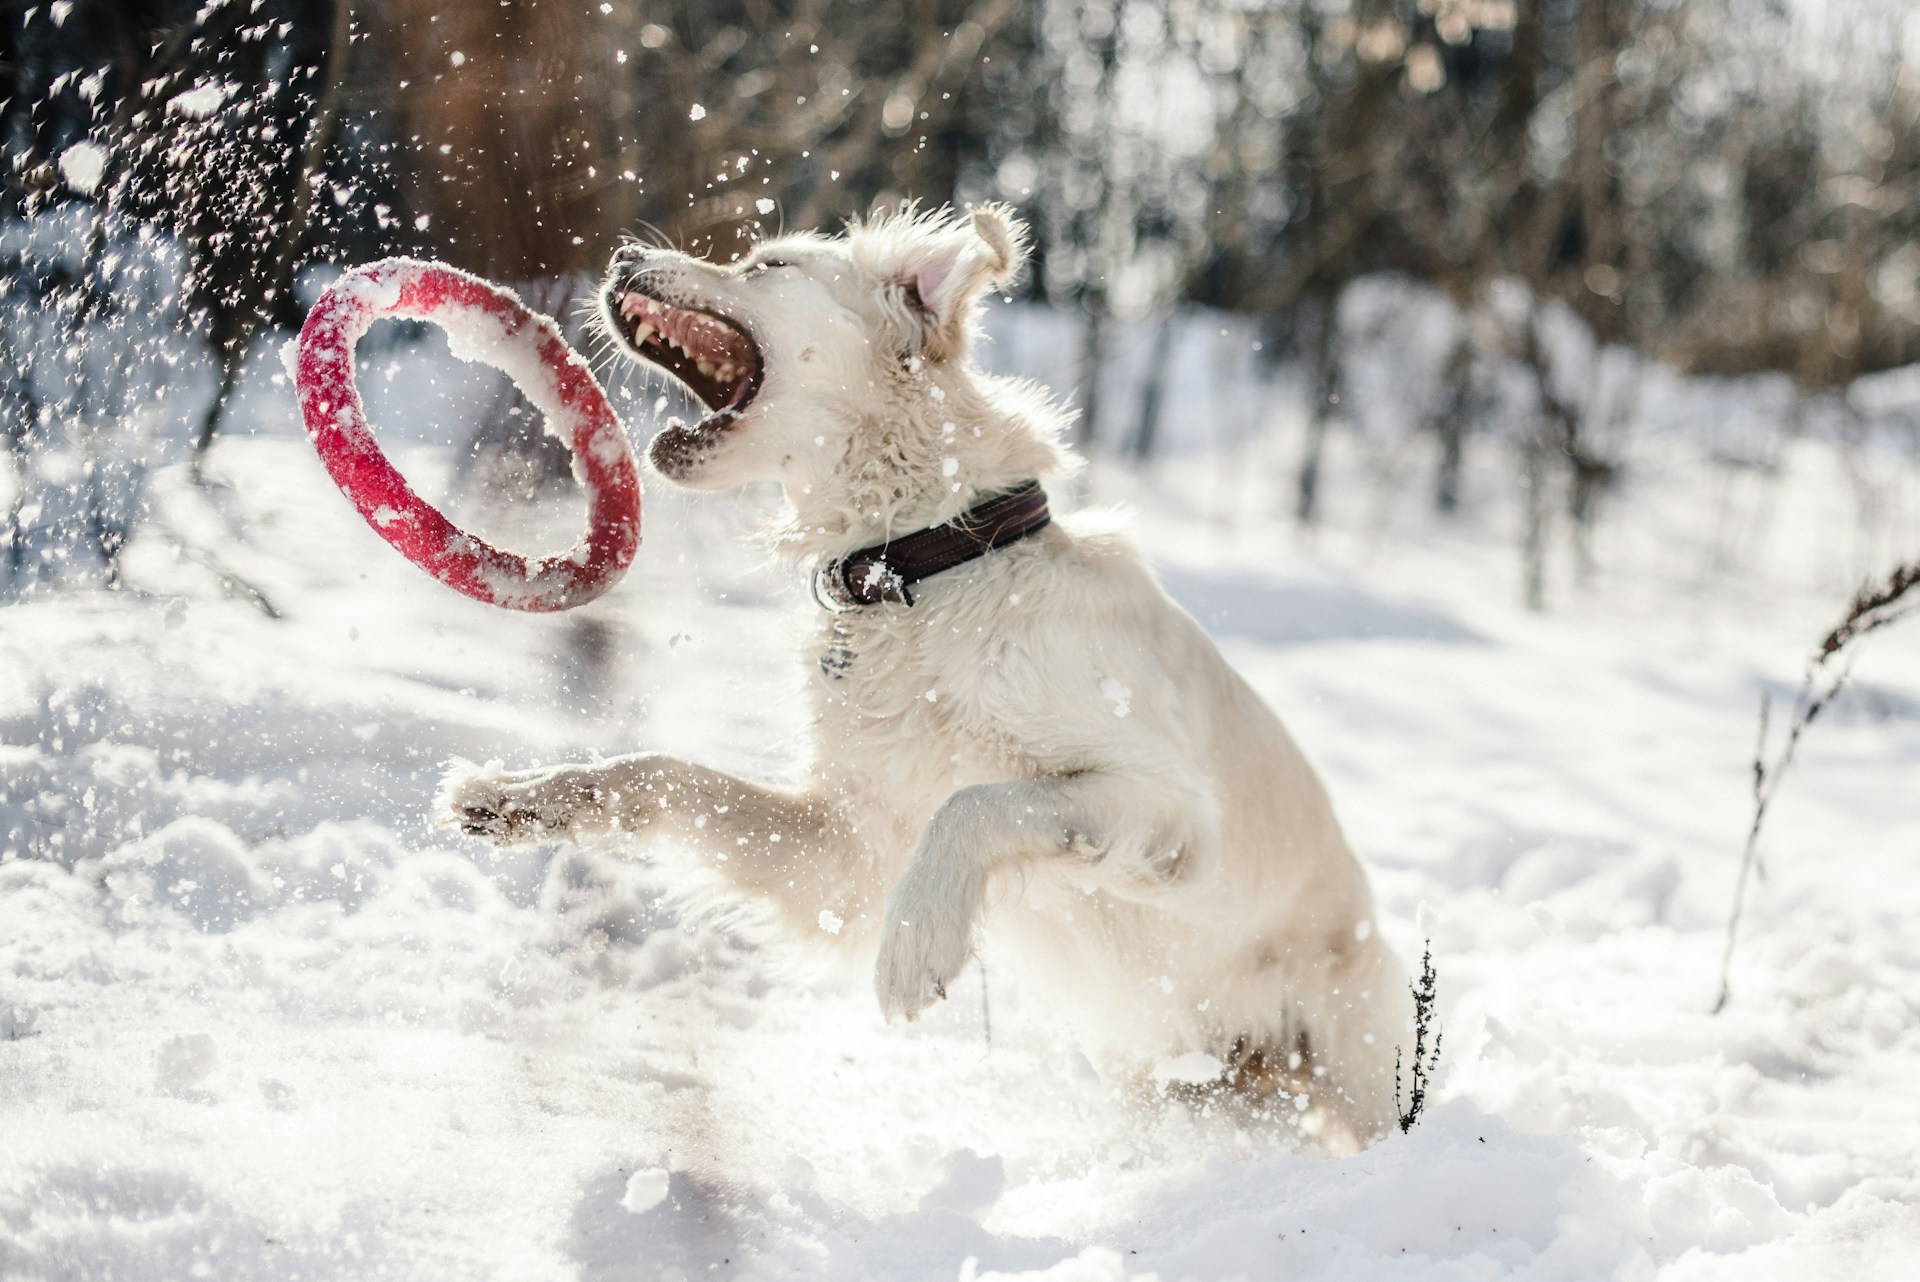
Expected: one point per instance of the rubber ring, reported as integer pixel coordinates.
(488, 324)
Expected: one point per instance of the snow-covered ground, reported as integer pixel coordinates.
(259, 1019)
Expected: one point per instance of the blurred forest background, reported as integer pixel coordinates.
(1444, 228)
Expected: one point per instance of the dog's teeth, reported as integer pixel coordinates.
(642, 334)
(727, 372)
(705, 367)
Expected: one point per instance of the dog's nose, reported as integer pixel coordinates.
(629, 262)
(630, 256)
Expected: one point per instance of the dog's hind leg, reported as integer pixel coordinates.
(1355, 1006)
(1137, 830)
(791, 847)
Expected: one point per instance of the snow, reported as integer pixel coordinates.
(182, 1063)
(203, 100)
(1195, 1068)
(260, 1019)
(646, 1189)
(83, 165)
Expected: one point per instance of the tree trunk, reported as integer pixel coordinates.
(1153, 391)
(1093, 359)
(1587, 480)
(1450, 425)
(1326, 375)
(1551, 436)
(1535, 456)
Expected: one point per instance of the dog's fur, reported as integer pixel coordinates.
(1042, 742)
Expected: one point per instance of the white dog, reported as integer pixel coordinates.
(1035, 737)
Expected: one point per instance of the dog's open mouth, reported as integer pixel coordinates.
(711, 355)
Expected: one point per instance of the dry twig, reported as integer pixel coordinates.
(1873, 608)
(1425, 1061)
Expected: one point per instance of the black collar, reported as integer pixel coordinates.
(885, 571)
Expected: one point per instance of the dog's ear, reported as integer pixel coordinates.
(941, 277)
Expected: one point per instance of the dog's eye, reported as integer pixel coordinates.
(768, 264)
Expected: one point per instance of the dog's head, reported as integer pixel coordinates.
(796, 343)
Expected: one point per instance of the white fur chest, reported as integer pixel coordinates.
(898, 714)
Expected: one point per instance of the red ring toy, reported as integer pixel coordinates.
(491, 325)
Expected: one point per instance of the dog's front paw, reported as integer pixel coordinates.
(509, 807)
(926, 941)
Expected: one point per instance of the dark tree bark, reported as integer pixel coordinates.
(1153, 390)
(1450, 425)
(1093, 360)
(1326, 383)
